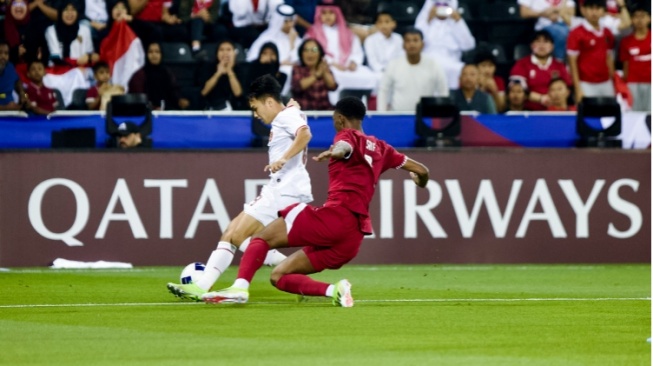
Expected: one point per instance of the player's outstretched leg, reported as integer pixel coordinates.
(273, 258)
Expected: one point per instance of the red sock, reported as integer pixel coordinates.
(302, 285)
(253, 259)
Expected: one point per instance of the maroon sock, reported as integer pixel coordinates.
(301, 284)
(253, 259)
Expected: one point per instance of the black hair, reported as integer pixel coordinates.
(555, 80)
(33, 61)
(640, 6)
(3, 42)
(485, 55)
(413, 30)
(320, 49)
(542, 34)
(379, 14)
(265, 86)
(351, 108)
(100, 65)
(597, 3)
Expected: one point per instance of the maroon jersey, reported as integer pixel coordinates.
(537, 76)
(41, 96)
(352, 180)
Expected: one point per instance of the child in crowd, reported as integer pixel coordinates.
(385, 44)
(100, 94)
(635, 53)
(589, 48)
(559, 96)
(517, 96)
(488, 81)
(42, 99)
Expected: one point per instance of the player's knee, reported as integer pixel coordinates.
(274, 278)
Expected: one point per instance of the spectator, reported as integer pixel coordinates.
(537, 70)
(488, 81)
(70, 42)
(95, 15)
(281, 31)
(154, 21)
(384, 45)
(616, 18)
(517, 96)
(43, 13)
(250, 18)
(312, 78)
(118, 11)
(559, 96)
(42, 99)
(222, 88)
(446, 36)
(100, 94)
(553, 16)
(407, 79)
(343, 49)
(589, 48)
(305, 10)
(635, 53)
(469, 97)
(128, 136)
(16, 26)
(267, 63)
(202, 17)
(9, 82)
(157, 82)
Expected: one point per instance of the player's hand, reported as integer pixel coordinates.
(324, 155)
(276, 166)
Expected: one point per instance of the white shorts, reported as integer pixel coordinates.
(265, 208)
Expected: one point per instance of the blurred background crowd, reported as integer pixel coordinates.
(489, 56)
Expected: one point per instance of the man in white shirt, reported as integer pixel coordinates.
(289, 183)
(446, 36)
(407, 79)
(384, 45)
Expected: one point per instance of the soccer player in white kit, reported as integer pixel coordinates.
(289, 183)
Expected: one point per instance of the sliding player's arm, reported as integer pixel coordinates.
(418, 171)
(338, 151)
(298, 145)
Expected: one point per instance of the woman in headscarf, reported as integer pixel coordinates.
(266, 63)
(15, 26)
(157, 82)
(343, 51)
(70, 42)
(222, 83)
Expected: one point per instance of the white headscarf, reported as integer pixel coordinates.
(275, 35)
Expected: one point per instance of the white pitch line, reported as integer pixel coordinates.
(571, 299)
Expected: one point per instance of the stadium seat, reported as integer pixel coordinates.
(521, 51)
(185, 73)
(404, 12)
(500, 10)
(497, 51)
(79, 100)
(59, 98)
(176, 52)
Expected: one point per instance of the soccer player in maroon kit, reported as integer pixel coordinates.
(330, 235)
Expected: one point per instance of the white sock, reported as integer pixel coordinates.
(243, 246)
(241, 283)
(273, 258)
(329, 291)
(218, 262)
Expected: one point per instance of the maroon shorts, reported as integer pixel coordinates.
(330, 235)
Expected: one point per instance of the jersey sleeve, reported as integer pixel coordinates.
(292, 121)
(392, 159)
(573, 42)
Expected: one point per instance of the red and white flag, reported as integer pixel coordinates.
(123, 51)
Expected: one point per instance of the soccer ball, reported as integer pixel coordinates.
(192, 273)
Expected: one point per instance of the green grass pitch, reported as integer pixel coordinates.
(404, 315)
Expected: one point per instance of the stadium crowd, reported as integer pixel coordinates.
(203, 54)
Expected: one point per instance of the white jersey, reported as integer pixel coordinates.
(292, 179)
